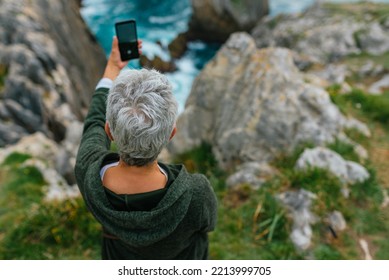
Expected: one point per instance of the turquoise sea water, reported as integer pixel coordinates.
(161, 21)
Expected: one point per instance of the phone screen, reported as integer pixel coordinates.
(126, 32)
(128, 40)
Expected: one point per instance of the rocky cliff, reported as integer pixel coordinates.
(49, 64)
(252, 104)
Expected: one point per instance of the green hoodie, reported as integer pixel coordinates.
(175, 229)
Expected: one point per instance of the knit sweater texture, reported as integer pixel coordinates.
(175, 229)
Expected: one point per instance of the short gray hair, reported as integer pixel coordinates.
(141, 113)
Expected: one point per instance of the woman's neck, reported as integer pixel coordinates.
(138, 170)
(127, 179)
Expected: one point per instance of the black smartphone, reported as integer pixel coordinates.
(128, 39)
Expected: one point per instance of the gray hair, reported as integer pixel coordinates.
(141, 113)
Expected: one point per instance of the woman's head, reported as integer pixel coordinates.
(141, 114)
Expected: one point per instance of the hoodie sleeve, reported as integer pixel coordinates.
(94, 141)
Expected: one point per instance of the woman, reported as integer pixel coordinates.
(148, 210)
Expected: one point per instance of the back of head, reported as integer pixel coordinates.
(141, 113)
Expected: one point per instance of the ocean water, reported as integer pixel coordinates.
(158, 23)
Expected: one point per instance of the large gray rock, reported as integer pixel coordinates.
(252, 105)
(319, 157)
(325, 34)
(49, 59)
(215, 20)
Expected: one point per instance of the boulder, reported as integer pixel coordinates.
(253, 104)
(337, 221)
(253, 174)
(319, 157)
(215, 20)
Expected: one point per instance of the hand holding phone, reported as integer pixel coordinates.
(128, 39)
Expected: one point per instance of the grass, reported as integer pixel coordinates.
(373, 107)
(32, 228)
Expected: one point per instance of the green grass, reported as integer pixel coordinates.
(344, 149)
(15, 158)
(56, 230)
(374, 107)
(251, 224)
(32, 228)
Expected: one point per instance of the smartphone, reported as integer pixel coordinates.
(128, 39)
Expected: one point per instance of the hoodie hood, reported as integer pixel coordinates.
(141, 228)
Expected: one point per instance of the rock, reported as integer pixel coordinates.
(333, 73)
(337, 221)
(23, 117)
(64, 167)
(347, 171)
(380, 86)
(215, 20)
(374, 40)
(73, 137)
(253, 174)
(50, 59)
(10, 133)
(157, 63)
(298, 203)
(178, 46)
(319, 39)
(37, 145)
(369, 69)
(54, 162)
(351, 123)
(325, 33)
(253, 104)
(365, 248)
(56, 187)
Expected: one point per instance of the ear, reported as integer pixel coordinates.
(173, 132)
(108, 131)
